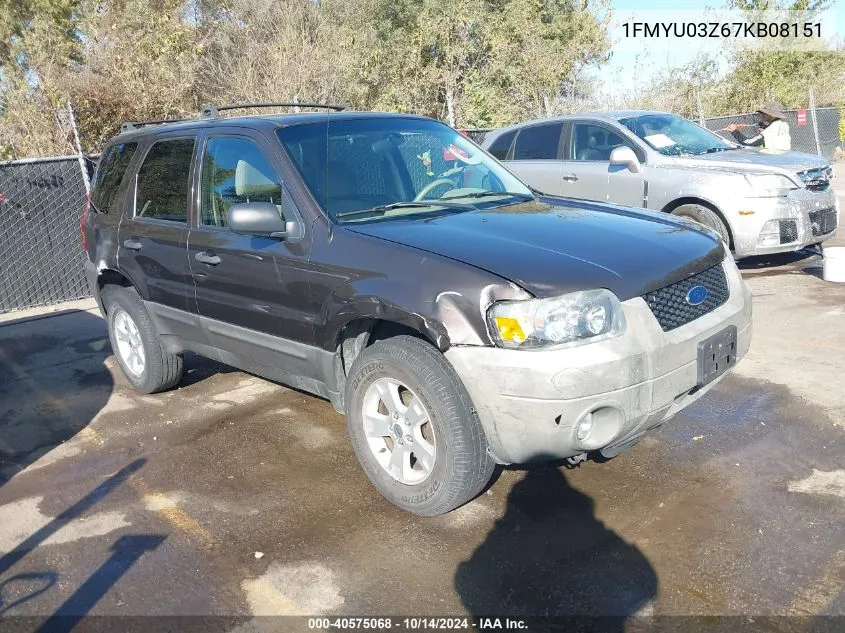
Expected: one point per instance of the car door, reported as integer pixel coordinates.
(153, 234)
(586, 169)
(535, 156)
(252, 292)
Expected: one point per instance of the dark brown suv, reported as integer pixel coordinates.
(388, 264)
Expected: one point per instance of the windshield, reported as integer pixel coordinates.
(371, 168)
(672, 135)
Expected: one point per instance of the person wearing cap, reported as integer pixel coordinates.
(774, 130)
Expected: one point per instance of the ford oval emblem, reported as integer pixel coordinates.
(697, 295)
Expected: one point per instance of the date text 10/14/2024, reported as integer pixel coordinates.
(416, 623)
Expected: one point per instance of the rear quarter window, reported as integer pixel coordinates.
(499, 148)
(109, 174)
(538, 142)
(162, 189)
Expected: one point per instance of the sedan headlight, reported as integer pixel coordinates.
(584, 316)
(770, 185)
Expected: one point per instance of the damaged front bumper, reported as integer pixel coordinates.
(762, 226)
(530, 402)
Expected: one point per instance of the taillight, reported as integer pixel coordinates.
(82, 222)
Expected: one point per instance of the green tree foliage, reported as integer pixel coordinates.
(765, 72)
(479, 62)
(471, 63)
(21, 18)
(141, 62)
(40, 44)
(540, 49)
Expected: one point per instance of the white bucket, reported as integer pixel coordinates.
(834, 264)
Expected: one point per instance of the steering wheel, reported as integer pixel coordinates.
(440, 182)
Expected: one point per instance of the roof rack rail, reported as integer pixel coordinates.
(214, 111)
(134, 125)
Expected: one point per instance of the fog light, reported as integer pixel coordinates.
(770, 234)
(585, 427)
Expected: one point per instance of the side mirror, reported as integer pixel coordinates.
(626, 157)
(260, 219)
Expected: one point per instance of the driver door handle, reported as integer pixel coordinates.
(207, 258)
(570, 177)
(134, 244)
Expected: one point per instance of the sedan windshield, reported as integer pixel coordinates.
(673, 136)
(372, 168)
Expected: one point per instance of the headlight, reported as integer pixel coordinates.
(770, 185)
(578, 316)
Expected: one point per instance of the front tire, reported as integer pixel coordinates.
(413, 427)
(707, 217)
(147, 365)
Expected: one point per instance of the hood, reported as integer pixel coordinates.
(553, 246)
(754, 160)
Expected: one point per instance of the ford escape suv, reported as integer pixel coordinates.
(386, 263)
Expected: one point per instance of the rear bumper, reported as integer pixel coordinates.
(749, 215)
(530, 402)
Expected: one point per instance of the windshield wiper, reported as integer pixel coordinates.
(713, 150)
(485, 194)
(410, 204)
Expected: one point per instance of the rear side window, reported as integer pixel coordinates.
(109, 175)
(538, 142)
(162, 189)
(501, 145)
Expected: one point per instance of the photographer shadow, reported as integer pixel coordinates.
(549, 556)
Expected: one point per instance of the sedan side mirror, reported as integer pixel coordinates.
(626, 157)
(261, 219)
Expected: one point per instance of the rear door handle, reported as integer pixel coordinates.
(134, 244)
(570, 177)
(205, 258)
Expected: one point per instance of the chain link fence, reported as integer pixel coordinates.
(476, 134)
(41, 203)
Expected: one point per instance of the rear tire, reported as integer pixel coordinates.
(147, 365)
(707, 217)
(413, 427)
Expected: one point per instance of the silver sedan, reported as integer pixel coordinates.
(758, 201)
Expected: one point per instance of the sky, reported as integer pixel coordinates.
(634, 61)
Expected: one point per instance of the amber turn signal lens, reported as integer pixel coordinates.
(510, 329)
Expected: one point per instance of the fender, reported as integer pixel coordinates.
(446, 301)
(453, 318)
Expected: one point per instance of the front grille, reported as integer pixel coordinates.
(670, 306)
(817, 179)
(788, 231)
(823, 221)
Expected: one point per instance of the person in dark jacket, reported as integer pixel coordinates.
(773, 130)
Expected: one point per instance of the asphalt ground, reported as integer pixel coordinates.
(233, 496)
